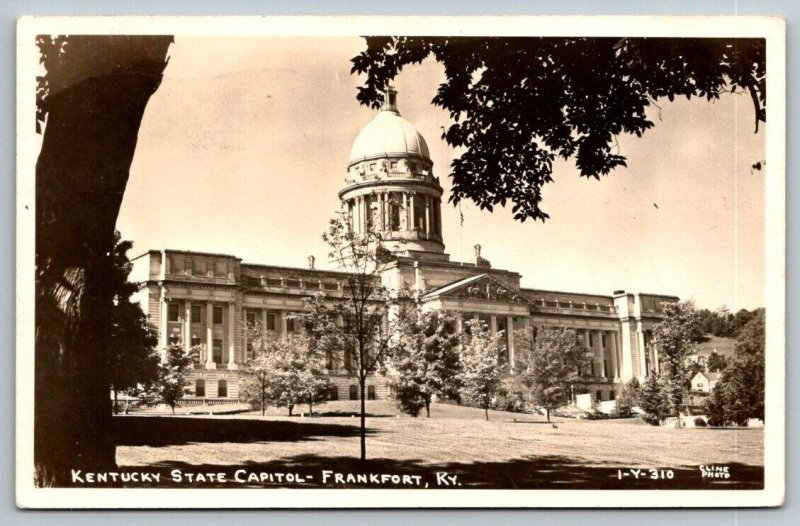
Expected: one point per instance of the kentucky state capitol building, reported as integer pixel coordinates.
(204, 299)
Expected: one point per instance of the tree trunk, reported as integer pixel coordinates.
(486, 412)
(98, 90)
(310, 408)
(428, 406)
(291, 408)
(263, 401)
(361, 383)
(547, 409)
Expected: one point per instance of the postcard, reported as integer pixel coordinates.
(359, 262)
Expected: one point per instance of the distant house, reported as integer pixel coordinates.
(705, 382)
(714, 345)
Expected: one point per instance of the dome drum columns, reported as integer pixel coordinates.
(400, 215)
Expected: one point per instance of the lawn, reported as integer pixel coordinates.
(508, 451)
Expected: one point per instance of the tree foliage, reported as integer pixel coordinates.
(283, 372)
(716, 362)
(654, 400)
(628, 399)
(553, 361)
(722, 322)
(674, 337)
(516, 104)
(132, 342)
(740, 392)
(426, 361)
(482, 374)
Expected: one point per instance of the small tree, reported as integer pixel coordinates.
(628, 399)
(173, 375)
(553, 360)
(714, 407)
(654, 400)
(426, 361)
(362, 321)
(716, 362)
(482, 374)
(674, 338)
(255, 387)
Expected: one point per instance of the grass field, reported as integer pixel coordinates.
(500, 453)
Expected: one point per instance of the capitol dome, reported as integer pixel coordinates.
(388, 134)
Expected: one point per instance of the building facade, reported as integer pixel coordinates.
(204, 300)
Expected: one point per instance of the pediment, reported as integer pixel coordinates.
(478, 288)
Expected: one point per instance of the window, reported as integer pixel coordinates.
(174, 338)
(370, 392)
(218, 315)
(333, 393)
(592, 367)
(599, 395)
(222, 389)
(393, 165)
(195, 340)
(591, 340)
(605, 367)
(699, 385)
(197, 314)
(270, 322)
(612, 395)
(218, 350)
(200, 387)
(605, 341)
(353, 392)
(251, 318)
(173, 312)
(289, 324)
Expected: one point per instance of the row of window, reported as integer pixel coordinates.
(200, 388)
(253, 317)
(174, 313)
(217, 317)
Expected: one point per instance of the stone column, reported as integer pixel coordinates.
(412, 212)
(162, 321)
(232, 336)
(459, 323)
(382, 209)
(283, 323)
(187, 326)
(511, 353)
(210, 336)
(358, 219)
(643, 372)
(404, 217)
(612, 341)
(656, 361)
(599, 356)
(439, 217)
(493, 324)
(428, 228)
(264, 331)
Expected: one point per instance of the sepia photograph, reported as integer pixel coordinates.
(400, 262)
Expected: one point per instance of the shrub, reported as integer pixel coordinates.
(700, 422)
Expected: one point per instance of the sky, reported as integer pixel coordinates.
(245, 144)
